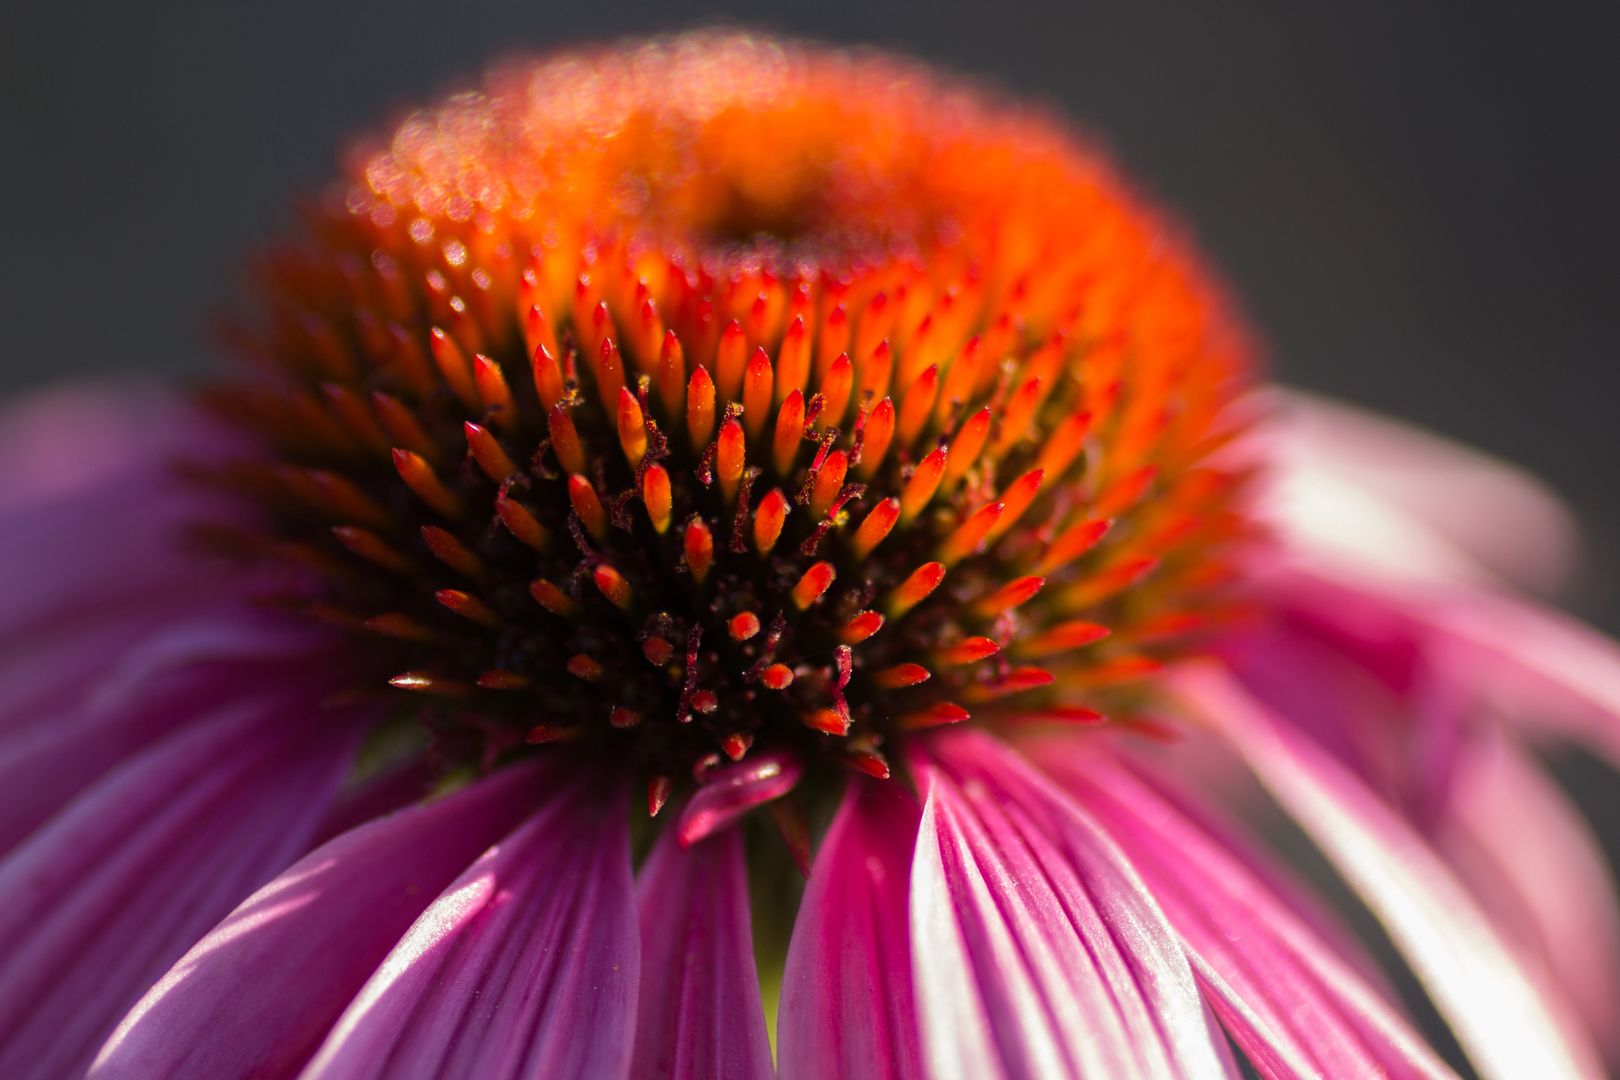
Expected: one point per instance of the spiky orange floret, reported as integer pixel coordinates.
(716, 394)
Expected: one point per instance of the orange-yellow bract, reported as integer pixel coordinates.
(715, 395)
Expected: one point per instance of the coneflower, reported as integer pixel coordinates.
(666, 467)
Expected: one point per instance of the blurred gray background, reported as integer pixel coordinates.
(1416, 202)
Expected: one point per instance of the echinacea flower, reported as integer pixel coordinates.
(669, 471)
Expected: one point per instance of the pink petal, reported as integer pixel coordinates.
(52, 669)
(1290, 1001)
(1395, 717)
(1037, 950)
(90, 464)
(1545, 669)
(256, 996)
(848, 1008)
(103, 899)
(1532, 859)
(1450, 651)
(731, 791)
(183, 672)
(526, 966)
(91, 519)
(700, 1014)
(76, 437)
(1509, 1026)
(43, 769)
(1368, 721)
(1411, 500)
(59, 567)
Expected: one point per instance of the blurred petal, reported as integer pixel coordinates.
(1400, 720)
(51, 669)
(78, 437)
(1544, 669)
(848, 1008)
(1291, 1003)
(1037, 950)
(700, 1014)
(103, 899)
(1510, 1026)
(81, 461)
(43, 768)
(256, 996)
(526, 966)
(1402, 499)
(1527, 852)
(182, 673)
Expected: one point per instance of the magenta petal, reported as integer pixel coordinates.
(1293, 1005)
(1037, 949)
(53, 669)
(89, 465)
(44, 767)
(700, 1014)
(1532, 859)
(1510, 1026)
(256, 996)
(58, 565)
(184, 672)
(848, 1007)
(730, 792)
(526, 966)
(104, 898)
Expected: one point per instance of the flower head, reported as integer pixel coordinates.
(766, 428)
(723, 399)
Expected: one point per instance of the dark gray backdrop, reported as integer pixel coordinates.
(1417, 202)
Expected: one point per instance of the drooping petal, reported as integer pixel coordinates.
(1544, 669)
(526, 966)
(1037, 949)
(1509, 1025)
(1532, 859)
(1420, 675)
(103, 899)
(700, 1014)
(848, 1006)
(1292, 1004)
(1380, 492)
(256, 996)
